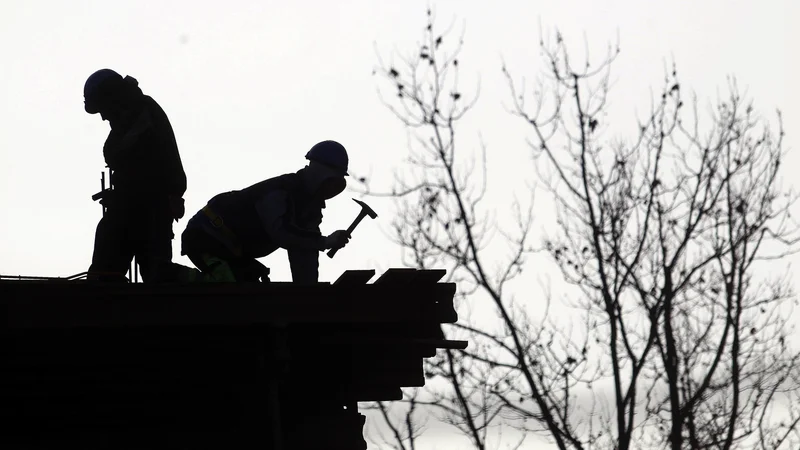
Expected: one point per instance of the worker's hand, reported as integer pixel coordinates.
(337, 239)
(108, 198)
(176, 207)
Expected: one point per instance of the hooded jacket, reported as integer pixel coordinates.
(143, 154)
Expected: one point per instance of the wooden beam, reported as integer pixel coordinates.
(354, 277)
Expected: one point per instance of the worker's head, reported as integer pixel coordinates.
(327, 166)
(107, 93)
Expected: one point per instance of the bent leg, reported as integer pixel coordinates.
(154, 245)
(215, 269)
(112, 254)
(249, 270)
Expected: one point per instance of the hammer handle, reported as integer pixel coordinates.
(355, 223)
(350, 229)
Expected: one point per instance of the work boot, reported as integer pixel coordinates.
(253, 271)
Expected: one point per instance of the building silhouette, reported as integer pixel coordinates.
(226, 366)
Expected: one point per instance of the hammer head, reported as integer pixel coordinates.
(364, 207)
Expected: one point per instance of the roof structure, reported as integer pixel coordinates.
(268, 366)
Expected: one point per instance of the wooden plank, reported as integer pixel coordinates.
(150, 307)
(409, 341)
(354, 277)
(408, 277)
(353, 340)
(376, 394)
(397, 276)
(429, 276)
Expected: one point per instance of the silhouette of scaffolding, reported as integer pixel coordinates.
(263, 365)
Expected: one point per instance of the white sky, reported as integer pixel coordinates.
(251, 85)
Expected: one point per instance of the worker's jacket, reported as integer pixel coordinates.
(143, 156)
(253, 222)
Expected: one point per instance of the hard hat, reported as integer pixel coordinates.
(97, 86)
(330, 153)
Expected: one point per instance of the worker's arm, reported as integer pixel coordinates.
(305, 265)
(273, 211)
(168, 165)
(173, 177)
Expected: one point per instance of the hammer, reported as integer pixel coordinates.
(365, 211)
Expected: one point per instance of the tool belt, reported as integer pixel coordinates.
(235, 246)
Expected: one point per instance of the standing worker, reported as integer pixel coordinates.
(146, 174)
(224, 239)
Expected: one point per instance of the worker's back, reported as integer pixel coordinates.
(144, 157)
(238, 211)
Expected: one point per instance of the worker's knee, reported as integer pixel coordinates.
(169, 272)
(213, 270)
(217, 269)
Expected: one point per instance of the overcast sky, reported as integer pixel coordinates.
(251, 85)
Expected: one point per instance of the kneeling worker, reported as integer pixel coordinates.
(224, 238)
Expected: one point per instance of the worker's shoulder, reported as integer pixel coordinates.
(154, 108)
(279, 185)
(150, 102)
(287, 181)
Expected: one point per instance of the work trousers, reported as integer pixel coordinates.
(126, 231)
(216, 262)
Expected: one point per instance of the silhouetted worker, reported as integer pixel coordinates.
(147, 177)
(224, 239)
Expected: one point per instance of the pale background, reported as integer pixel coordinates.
(249, 86)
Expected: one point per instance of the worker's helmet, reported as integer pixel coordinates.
(97, 88)
(331, 154)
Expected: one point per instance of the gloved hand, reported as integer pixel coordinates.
(337, 239)
(176, 207)
(107, 198)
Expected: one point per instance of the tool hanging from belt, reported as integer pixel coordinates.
(227, 233)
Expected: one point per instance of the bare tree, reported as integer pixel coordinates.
(441, 222)
(677, 341)
(663, 236)
(403, 428)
